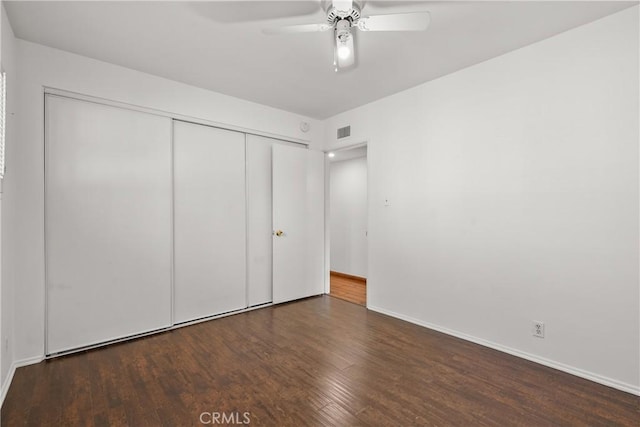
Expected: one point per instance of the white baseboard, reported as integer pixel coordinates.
(12, 370)
(619, 385)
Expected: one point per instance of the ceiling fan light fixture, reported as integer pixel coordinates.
(343, 48)
(344, 54)
(343, 51)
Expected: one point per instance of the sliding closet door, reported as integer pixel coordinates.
(210, 221)
(259, 225)
(107, 222)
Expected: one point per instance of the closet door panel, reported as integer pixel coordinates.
(107, 223)
(298, 218)
(259, 224)
(210, 221)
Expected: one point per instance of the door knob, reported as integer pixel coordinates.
(279, 233)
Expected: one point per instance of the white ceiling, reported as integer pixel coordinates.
(220, 46)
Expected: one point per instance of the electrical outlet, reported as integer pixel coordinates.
(538, 329)
(387, 202)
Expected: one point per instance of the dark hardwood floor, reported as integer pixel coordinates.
(349, 288)
(319, 361)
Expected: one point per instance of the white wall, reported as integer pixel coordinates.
(348, 207)
(513, 189)
(6, 284)
(41, 66)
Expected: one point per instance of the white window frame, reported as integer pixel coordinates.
(3, 121)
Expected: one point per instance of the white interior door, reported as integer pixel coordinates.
(298, 223)
(210, 221)
(107, 223)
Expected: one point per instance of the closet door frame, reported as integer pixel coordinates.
(47, 90)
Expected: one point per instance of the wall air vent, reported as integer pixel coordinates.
(344, 132)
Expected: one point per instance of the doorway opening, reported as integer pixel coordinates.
(348, 223)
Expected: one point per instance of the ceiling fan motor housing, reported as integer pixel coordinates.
(334, 15)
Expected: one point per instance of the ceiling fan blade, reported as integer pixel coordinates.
(291, 29)
(416, 21)
(231, 12)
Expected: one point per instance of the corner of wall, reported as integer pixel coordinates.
(7, 362)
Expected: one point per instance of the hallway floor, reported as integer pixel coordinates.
(349, 289)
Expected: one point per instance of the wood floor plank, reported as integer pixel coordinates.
(320, 361)
(349, 289)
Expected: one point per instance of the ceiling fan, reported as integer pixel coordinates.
(345, 16)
